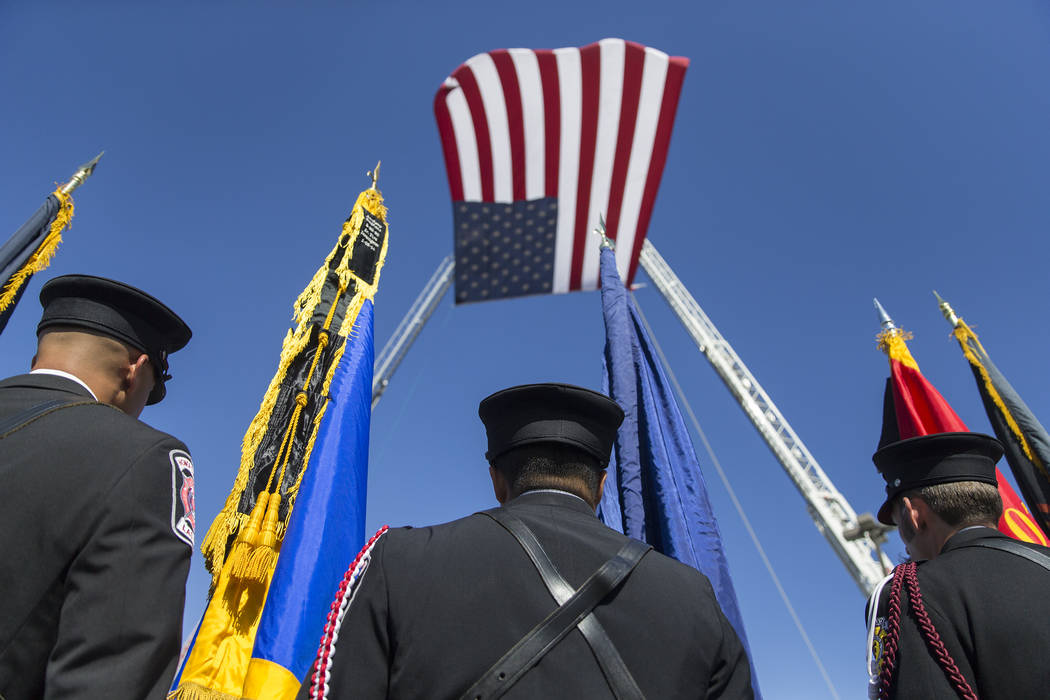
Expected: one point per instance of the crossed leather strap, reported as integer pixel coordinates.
(574, 612)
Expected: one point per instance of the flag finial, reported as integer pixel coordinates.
(82, 173)
(600, 230)
(884, 318)
(947, 310)
(374, 174)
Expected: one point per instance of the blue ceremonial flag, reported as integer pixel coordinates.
(295, 518)
(327, 527)
(29, 250)
(654, 491)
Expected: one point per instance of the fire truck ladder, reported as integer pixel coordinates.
(855, 540)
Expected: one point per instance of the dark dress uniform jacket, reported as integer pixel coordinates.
(991, 609)
(92, 575)
(439, 605)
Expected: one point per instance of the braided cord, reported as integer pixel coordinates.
(347, 591)
(889, 644)
(933, 638)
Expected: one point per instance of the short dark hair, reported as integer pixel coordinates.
(962, 503)
(549, 465)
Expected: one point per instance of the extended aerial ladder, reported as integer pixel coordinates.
(855, 539)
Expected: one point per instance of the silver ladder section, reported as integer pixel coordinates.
(406, 332)
(831, 512)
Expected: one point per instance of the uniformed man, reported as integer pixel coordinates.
(536, 598)
(96, 529)
(966, 617)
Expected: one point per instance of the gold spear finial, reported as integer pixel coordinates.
(82, 173)
(946, 309)
(374, 174)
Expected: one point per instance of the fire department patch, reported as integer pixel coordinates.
(182, 504)
(878, 641)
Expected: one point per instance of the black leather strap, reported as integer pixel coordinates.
(31, 414)
(544, 636)
(616, 673)
(1014, 547)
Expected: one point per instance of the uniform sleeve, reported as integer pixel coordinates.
(731, 670)
(355, 653)
(121, 622)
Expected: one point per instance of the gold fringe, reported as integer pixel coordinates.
(41, 257)
(963, 333)
(192, 691)
(892, 343)
(229, 521)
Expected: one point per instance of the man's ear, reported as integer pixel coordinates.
(916, 512)
(136, 368)
(601, 486)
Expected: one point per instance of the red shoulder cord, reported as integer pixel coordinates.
(905, 574)
(319, 685)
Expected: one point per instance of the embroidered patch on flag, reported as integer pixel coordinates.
(182, 503)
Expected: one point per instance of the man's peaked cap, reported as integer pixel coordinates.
(559, 413)
(938, 458)
(119, 311)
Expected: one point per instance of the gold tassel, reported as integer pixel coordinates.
(41, 257)
(258, 560)
(892, 343)
(192, 691)
(963, 333)
(240, 552)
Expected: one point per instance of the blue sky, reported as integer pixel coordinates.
(824, 153)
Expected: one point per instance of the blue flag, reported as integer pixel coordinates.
(296, 514)
(654, 491)
(327, 527)
(29, 250)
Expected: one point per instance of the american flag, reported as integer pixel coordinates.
(538, 144)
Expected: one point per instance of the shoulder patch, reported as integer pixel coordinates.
(182, 502)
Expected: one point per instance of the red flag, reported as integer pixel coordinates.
(921, 410)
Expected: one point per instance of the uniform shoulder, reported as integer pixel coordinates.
(669, 566)
(107, 420)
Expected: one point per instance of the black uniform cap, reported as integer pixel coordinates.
(940, 458)
(119, 311)
(562, 413)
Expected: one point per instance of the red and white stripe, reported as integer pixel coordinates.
(348, 589)
(590, 126)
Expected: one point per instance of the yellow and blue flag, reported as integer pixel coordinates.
(295, 518)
